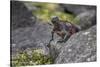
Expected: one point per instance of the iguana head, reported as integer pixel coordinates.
(54, 19)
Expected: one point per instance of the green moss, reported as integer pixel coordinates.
(23, 59)
(46, 10)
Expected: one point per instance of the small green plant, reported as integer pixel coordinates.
(24, 59)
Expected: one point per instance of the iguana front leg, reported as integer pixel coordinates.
(52, 38)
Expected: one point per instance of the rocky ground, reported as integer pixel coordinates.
(80, 47)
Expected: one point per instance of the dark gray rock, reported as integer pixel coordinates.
(77, 9)
(86, 19)
(21, 16)
(81, 47)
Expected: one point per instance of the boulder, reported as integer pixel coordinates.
(77, 9)
(86, 19)
(36, 37)
(81, 47)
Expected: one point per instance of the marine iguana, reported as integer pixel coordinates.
(63, 28)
